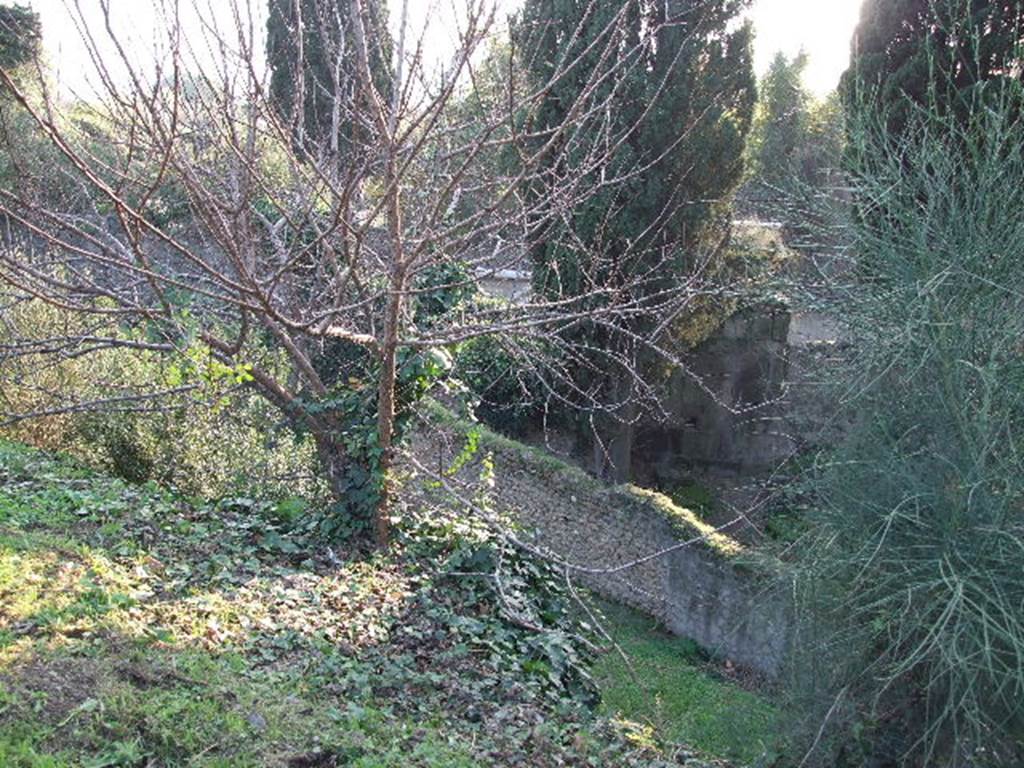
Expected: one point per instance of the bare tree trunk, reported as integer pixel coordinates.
(298, 255)
(332, 461)
(621, 448)
(614, 434)
(386, 419)
(386, 118)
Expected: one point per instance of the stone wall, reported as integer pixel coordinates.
(723, 410)
(708, 590)
(758, 393)
(728, 609)
(817, 355)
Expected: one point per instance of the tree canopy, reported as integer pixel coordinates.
(683, 98)
(783, 116)
(908, 53)
(683, 93)
(20, 35)
(311, 50)
(795, 146)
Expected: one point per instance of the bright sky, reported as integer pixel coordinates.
(822, 27)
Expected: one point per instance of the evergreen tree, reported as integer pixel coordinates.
(795, 145)
(931, 53)
(918, 631)
(676, 109)
(312, 56)
(781, 123)
(20, 44)
(20, 35)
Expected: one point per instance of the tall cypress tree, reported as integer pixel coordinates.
(678, 105)
(311, 51)
(795, 145)
(931, 53)
(782, 122)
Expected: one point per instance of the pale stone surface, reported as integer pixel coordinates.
(702, 590)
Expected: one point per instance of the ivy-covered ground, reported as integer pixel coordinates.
(138, 628)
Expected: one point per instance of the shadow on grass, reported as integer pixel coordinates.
(140, 629)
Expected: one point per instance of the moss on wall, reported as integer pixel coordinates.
(624, 540)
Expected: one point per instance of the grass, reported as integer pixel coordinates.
(669, 688)
(693, 495)
(159, 707)
(686, 522)
(136, 629)
(139, 628)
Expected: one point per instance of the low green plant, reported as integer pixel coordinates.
(172, 444)
(354, 402)
(694, 496)
(21, 754)
(223, 638)
(509, 605)
(507, 393)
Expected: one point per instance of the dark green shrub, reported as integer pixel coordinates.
(500, 378)
(122, 442)
(511, 607)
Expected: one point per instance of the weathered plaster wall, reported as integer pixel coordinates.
(817, 355)
(764, 395)
(723, 410)
(729, 609)
(706, 590)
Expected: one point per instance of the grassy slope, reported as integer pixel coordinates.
(139, 629)
(667, 686)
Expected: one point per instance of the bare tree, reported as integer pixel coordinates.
(297, 244)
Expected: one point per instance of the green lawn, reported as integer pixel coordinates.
(669, 687)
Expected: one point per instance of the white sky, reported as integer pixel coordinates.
(822, 27)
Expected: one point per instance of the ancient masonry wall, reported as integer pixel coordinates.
(631, 540)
